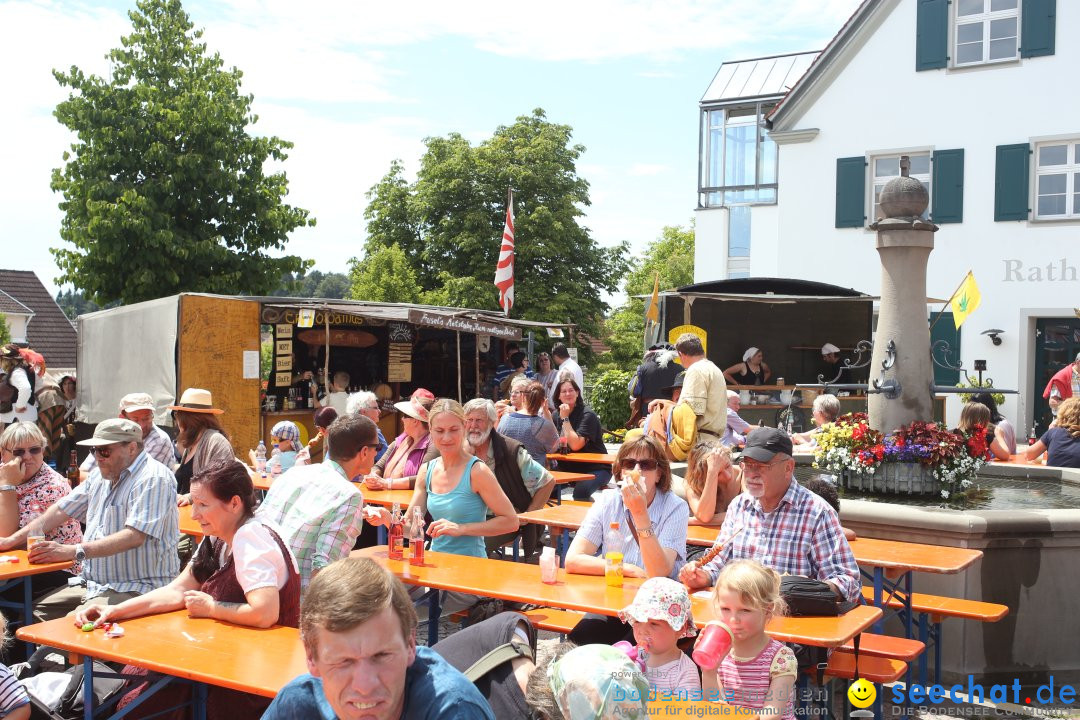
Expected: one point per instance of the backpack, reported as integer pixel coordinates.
(107, 686)
(658, 425)
(805, 596)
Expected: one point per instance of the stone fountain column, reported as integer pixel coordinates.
(904, 242)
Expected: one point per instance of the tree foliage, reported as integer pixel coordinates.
(384, 276)
(447, 224)
(5, 331)
(74, 303)
(314, 284)
(164, 189)
(672, 256)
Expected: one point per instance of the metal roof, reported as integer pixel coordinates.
(759, 77)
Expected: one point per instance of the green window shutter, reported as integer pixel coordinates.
(945, 329)
(1037, 27)
(932, 35)
(947, 185)
(850, 192)
(1011, 189)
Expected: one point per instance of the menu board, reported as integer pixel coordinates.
(399, 362)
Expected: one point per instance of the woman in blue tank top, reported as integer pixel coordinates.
(458, 489)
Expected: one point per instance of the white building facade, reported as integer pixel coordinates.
(972, 92)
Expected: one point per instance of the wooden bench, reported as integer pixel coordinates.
(874, 669)
(560, 621)
(886, 646)
(942, 607)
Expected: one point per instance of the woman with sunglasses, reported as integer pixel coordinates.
(652, 521)
(27, 488)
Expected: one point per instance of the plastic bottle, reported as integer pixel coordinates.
(275, 462)
(397, 534)
(416, 538)
(613, 556)
(260, 458)
(549, 566)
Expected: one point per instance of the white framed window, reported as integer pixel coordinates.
(1057, 179)
(884, 168)
(985, 31)
(738, 158)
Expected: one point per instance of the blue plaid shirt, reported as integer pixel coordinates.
(144, 498)
(668, 512)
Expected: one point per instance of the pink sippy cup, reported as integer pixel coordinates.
(713, 645)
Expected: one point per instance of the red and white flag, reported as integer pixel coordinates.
(504, 269)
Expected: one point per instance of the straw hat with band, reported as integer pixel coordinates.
(196, 400)
(417, 405)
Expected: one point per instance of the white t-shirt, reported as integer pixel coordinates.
(338, 400)
(679, 674)
(258, 558)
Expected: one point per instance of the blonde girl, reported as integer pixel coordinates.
(759, 673)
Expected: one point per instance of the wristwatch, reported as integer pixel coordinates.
(646, 531)
(80, 554)
(8, 488)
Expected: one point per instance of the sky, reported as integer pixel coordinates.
(357, 84)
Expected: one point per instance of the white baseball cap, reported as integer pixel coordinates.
(829, 349)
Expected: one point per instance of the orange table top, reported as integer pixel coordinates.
(590, 593)
(386, 497)
(602, 458)
(187, 525)
(1021, 459)
(868, 551)
(242, 658)
(12, 570)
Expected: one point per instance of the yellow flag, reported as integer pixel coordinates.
(964, 301)
(653, 313)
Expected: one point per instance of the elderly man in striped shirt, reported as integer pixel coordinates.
(781, 524)
(128, 505)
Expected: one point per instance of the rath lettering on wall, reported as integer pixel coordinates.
(1055, 271)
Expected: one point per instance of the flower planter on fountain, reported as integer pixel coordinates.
(918, 459)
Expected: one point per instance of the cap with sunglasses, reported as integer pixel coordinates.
(112, 431)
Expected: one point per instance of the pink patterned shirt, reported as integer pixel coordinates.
(745, 682)
(37, 494)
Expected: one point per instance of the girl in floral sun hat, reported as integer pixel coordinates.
(661, 616)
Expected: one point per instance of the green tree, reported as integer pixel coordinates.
(672, 256)
(164, 189)
(5, 331)
(384, 276)
(447, 224)
(74, 303)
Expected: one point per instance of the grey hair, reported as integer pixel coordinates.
(363, 400)
(519, 381)
(732, 394)
(828, 406)
(20, 432)
(482, 404)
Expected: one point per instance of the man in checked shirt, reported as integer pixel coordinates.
(781, 524)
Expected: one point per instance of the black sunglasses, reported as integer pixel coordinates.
(102, 451)
(628, 464)
(19, 452)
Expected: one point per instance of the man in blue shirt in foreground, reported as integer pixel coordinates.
(359, 631)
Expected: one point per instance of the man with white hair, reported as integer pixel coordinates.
(737, 428)
(367, 404)
(139, 408)
(526, 482)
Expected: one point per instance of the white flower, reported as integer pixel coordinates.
(945, 494)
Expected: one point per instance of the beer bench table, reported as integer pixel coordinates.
(22, 572)
(183, 649)
(576, 457)
(519, 582)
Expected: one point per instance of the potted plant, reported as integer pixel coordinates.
(920, 458)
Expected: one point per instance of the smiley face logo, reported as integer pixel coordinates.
(862, 693)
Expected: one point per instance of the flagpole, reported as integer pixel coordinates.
(949, 301)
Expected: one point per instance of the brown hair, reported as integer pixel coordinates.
(192, 425)
(697, 463)
(655, 451)
(1068, 417)
(534, 397)
(689, 344)
(974, 414)
(349, 592)
(347, 436)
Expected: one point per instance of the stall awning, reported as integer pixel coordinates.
(460, 319)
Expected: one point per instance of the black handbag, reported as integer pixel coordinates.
(805, 596)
